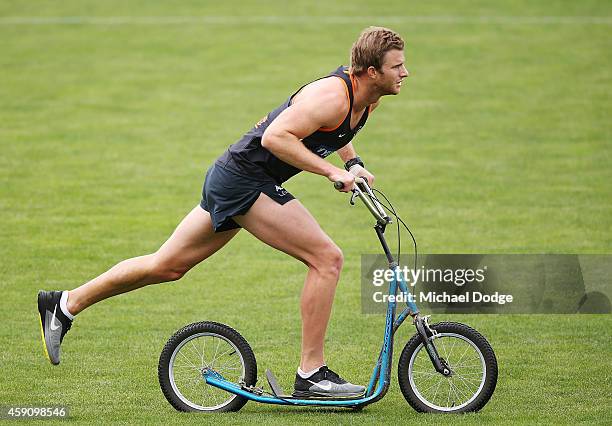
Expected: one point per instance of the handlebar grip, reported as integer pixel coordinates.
(338, 185)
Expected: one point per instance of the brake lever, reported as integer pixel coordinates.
(353, 196)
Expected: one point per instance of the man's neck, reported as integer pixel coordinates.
(363, 93)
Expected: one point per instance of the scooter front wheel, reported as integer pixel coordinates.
(200, 346)
(473, 371)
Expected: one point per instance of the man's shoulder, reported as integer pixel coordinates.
(331, 91)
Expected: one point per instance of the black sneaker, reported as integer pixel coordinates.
(53, 323)
(325, 383)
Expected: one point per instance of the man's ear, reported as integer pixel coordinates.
(372, 72)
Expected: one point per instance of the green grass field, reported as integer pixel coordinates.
(498, 143)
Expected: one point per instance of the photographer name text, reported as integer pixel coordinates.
(444, 297)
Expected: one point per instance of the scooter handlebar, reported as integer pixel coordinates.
(358, 180)
(363, 191)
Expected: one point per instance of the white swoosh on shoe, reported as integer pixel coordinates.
(53, 325)
(326, 387)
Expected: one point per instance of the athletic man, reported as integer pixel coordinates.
(243, 190)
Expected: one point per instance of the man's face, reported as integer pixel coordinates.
(389, 78)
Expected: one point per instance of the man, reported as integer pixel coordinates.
(243, 190)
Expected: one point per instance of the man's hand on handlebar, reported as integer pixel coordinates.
(359, 171)
(347, 179)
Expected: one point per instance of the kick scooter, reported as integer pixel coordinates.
(446, 367)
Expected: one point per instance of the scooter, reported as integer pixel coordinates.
(446, 367)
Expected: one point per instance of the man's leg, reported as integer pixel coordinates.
(192, 241)
(292, 229)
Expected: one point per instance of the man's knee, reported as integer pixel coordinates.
(329, 260)
(165, 270)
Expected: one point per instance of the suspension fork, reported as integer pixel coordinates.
(427, 336)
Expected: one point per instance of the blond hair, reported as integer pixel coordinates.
(371, 46)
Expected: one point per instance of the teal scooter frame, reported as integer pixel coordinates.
(379, 382)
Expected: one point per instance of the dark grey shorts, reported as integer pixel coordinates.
(226, 194)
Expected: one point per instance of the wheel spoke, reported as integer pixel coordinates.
(467, 380)
(212, 363)
(468, 388)
(431, 386)
(450, 390)
(437, 389)
(467, 365)
(200, 355)
(468, 384)
(475, 373)
(442, 343)
(230, 363)
(226, 352)
(182, 365)
(463, 354)
(427, 373)
(228, 368)
(188, 360)
(451, 350)
(203, 348)
(459, 391)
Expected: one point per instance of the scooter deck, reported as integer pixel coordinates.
(278, 391)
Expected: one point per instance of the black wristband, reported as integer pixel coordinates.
(350, 163)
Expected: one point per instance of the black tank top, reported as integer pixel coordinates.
(248, 158)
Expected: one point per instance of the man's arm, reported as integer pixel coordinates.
(321, 106)
(347, 152)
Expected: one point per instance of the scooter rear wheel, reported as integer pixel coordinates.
(205, 345)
